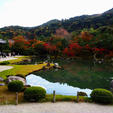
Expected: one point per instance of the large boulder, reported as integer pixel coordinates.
(56, 65)
(11, 78)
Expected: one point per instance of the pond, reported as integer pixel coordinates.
(60, 88)
(82, 74)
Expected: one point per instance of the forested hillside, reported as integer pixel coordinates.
(72, 25)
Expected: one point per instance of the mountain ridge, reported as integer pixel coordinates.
(72, 24)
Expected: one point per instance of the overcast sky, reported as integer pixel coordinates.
(35, 12)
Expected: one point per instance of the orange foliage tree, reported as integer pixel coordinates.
(20, 44)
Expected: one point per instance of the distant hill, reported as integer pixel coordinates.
(50, 22)
(73, 24)
(109, 11)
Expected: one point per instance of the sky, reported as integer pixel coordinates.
(29, 13)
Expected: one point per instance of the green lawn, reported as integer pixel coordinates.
(21, 69)
(19, 59)
(10, 97)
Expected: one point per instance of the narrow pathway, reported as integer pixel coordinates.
(3, 68)
(7, 58)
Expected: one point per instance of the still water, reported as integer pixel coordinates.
(62, 89)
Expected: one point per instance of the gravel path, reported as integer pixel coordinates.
(7, 58)
(59, 107)
(2, 68)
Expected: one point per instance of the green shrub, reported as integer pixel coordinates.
(15, 86)
(82, 94)
(34, 93)
(102, 96)
(4, 63)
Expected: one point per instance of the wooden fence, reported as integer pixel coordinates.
(6, 100)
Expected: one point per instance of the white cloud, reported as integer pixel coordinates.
(36, 12)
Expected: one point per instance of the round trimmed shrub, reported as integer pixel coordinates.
(34, 93)
(102, 96)
(15, 86)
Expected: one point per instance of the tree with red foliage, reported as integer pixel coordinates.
(98, 54)
(72, 50)
(51, 49)
(86, 36)
(109, 54)
(20, 44)
(68, 52)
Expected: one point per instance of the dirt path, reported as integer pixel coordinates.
(3, 68)
(59, 107)
(7, 58)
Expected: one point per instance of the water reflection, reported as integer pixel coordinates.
(63, 89)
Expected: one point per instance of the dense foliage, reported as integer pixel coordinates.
(34, 93)
(81, 36)
(15, 86)
(71, 25)
(98, 43)
(102, 96)
(4, 63)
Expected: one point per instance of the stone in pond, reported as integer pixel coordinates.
(56, 65)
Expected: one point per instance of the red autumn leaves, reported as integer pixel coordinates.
(74, 47)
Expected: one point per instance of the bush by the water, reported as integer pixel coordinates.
(102, 96)
(82, 94)
(4, 63)
(34, 93)
(15, 86)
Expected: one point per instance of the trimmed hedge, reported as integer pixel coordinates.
(15, 86)
(4, 63)
(34, 93)
(102, 96)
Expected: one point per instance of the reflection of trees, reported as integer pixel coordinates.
(62, 76)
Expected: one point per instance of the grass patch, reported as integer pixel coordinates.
(60, 98)
(19, 59)
(21, 69)
(10, 97)
(7, 97)
(49, 98)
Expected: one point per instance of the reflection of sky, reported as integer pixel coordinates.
(63, 89)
